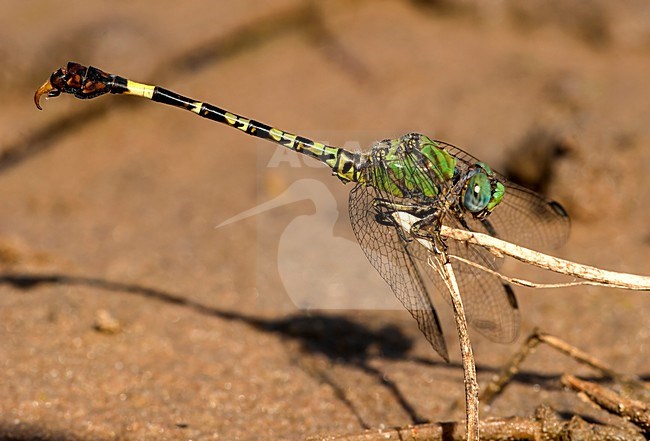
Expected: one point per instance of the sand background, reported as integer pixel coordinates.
(108, 208)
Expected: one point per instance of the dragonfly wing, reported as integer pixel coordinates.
(391, 257)
(526, 218)
(490, 304)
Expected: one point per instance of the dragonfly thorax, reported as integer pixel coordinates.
(412, 166)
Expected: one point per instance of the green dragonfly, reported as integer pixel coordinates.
(433, 182)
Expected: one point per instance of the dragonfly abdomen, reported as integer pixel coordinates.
(344, 164)
(90, 82)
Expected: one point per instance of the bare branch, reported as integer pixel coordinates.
(589, 273)
(469, 367)
(545, 425)
(446, 272)
(634, 411)
(524, 282)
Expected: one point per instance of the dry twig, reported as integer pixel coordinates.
(469, 367)
(545, 425)
(589, 273)
(633, 411)
(503, 378)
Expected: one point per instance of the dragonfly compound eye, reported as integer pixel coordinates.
(478, 193)
(497, 195)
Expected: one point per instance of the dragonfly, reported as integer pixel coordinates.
(433, 182)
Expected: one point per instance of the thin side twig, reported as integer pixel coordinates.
(524, 282)
(577, 354)
(499, 247)
(499, 382)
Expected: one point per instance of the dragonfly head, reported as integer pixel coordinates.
(481, 192)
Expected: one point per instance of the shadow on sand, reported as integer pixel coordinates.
(340, 339)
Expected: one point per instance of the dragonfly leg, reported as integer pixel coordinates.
(384, 210)
(386, 218)
(429, 228)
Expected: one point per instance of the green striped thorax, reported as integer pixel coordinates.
(412, 166)
(418, 168)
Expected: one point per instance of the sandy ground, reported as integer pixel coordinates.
(125, 314)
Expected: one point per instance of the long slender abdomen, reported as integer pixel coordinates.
(89, 82)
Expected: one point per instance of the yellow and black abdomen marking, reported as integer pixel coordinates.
(343, 163)
(90, 82)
